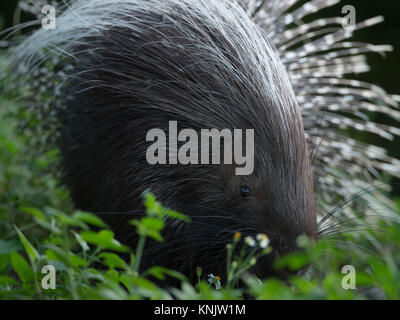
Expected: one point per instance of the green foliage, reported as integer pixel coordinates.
(39, 227)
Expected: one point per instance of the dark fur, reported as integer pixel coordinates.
(135, 82)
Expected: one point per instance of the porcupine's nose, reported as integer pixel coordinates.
(267, 266)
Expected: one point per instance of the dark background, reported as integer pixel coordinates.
(384, 69)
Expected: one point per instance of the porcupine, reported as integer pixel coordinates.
(128, 66)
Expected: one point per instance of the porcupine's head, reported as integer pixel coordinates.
(138, 65)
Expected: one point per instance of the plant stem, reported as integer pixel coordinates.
(139, 252)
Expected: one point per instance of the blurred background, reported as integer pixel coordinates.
(384, 69)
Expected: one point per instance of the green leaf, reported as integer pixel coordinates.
(105, 239)
(30, 250)
(34, 212)
(142, 230)
(113, 274)
(153, 208)
(21, 267)
(66, 219)
(93, 274)
(4, 260)
(81, 242)
(112, 260)
(76, 261)
(143, 287)
(176, 215)
(52, 255)
(4, 281)
(294, 261)
(90, 219)
(50, 226)
(155, 235)
(161, 272)
(152, 223)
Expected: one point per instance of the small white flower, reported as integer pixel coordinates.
(216, 280)
(263, 239)
(250, 241)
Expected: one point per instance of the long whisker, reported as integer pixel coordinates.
(350, 199)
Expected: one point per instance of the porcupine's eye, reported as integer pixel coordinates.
(245, 191)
